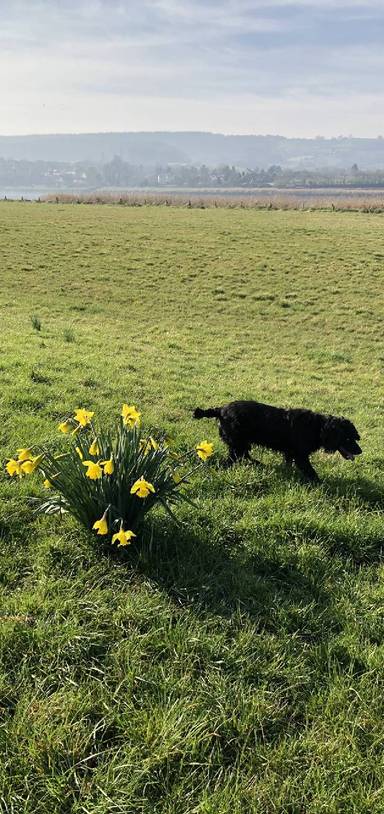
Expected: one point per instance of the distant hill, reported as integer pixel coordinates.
(212, 149)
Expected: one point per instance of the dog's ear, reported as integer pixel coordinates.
(307, 421)
(328, 431)
(328, 425)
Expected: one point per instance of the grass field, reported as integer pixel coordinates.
(234, 664)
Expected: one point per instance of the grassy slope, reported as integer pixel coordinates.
(235, 665)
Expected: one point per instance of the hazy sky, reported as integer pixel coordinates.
(306, 67)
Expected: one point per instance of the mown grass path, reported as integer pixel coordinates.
(235, 663)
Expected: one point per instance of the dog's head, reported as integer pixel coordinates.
(340, 435)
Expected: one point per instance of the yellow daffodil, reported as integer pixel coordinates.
(204, 450)
(13, 467)
(142, 488)
(147, 445)
(131, 416)
(109, 466)
(24, 453)
(101, 526)
(47, 484)
(94, 471)
(83, 417)
(94, 449)
(79, 452)
(124, 537)
(65, 426)
(27, 467)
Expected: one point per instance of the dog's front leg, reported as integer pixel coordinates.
(303, 463)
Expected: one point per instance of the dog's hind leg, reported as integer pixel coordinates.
(303, 463)
(238, 446)
(240, 452)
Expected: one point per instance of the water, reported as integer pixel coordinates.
(33, 194)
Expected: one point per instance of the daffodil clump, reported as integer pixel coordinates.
(108, 480)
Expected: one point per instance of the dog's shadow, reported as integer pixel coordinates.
(366, 491)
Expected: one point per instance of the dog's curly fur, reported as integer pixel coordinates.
(297, 433)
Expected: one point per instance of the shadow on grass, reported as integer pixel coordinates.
(211, 579)
(367, 491)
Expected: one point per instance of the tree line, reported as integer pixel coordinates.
(121, 174)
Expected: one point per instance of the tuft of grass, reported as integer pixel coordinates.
(68, 335)
(38, 377)
(36, 322)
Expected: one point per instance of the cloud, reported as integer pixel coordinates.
(71, 62)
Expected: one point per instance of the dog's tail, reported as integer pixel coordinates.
(212, 412)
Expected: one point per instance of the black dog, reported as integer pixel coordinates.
(296, 433)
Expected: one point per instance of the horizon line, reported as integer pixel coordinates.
(317, 137)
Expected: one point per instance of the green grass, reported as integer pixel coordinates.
(234, 664)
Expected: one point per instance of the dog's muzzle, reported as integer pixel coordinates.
(350, 454)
